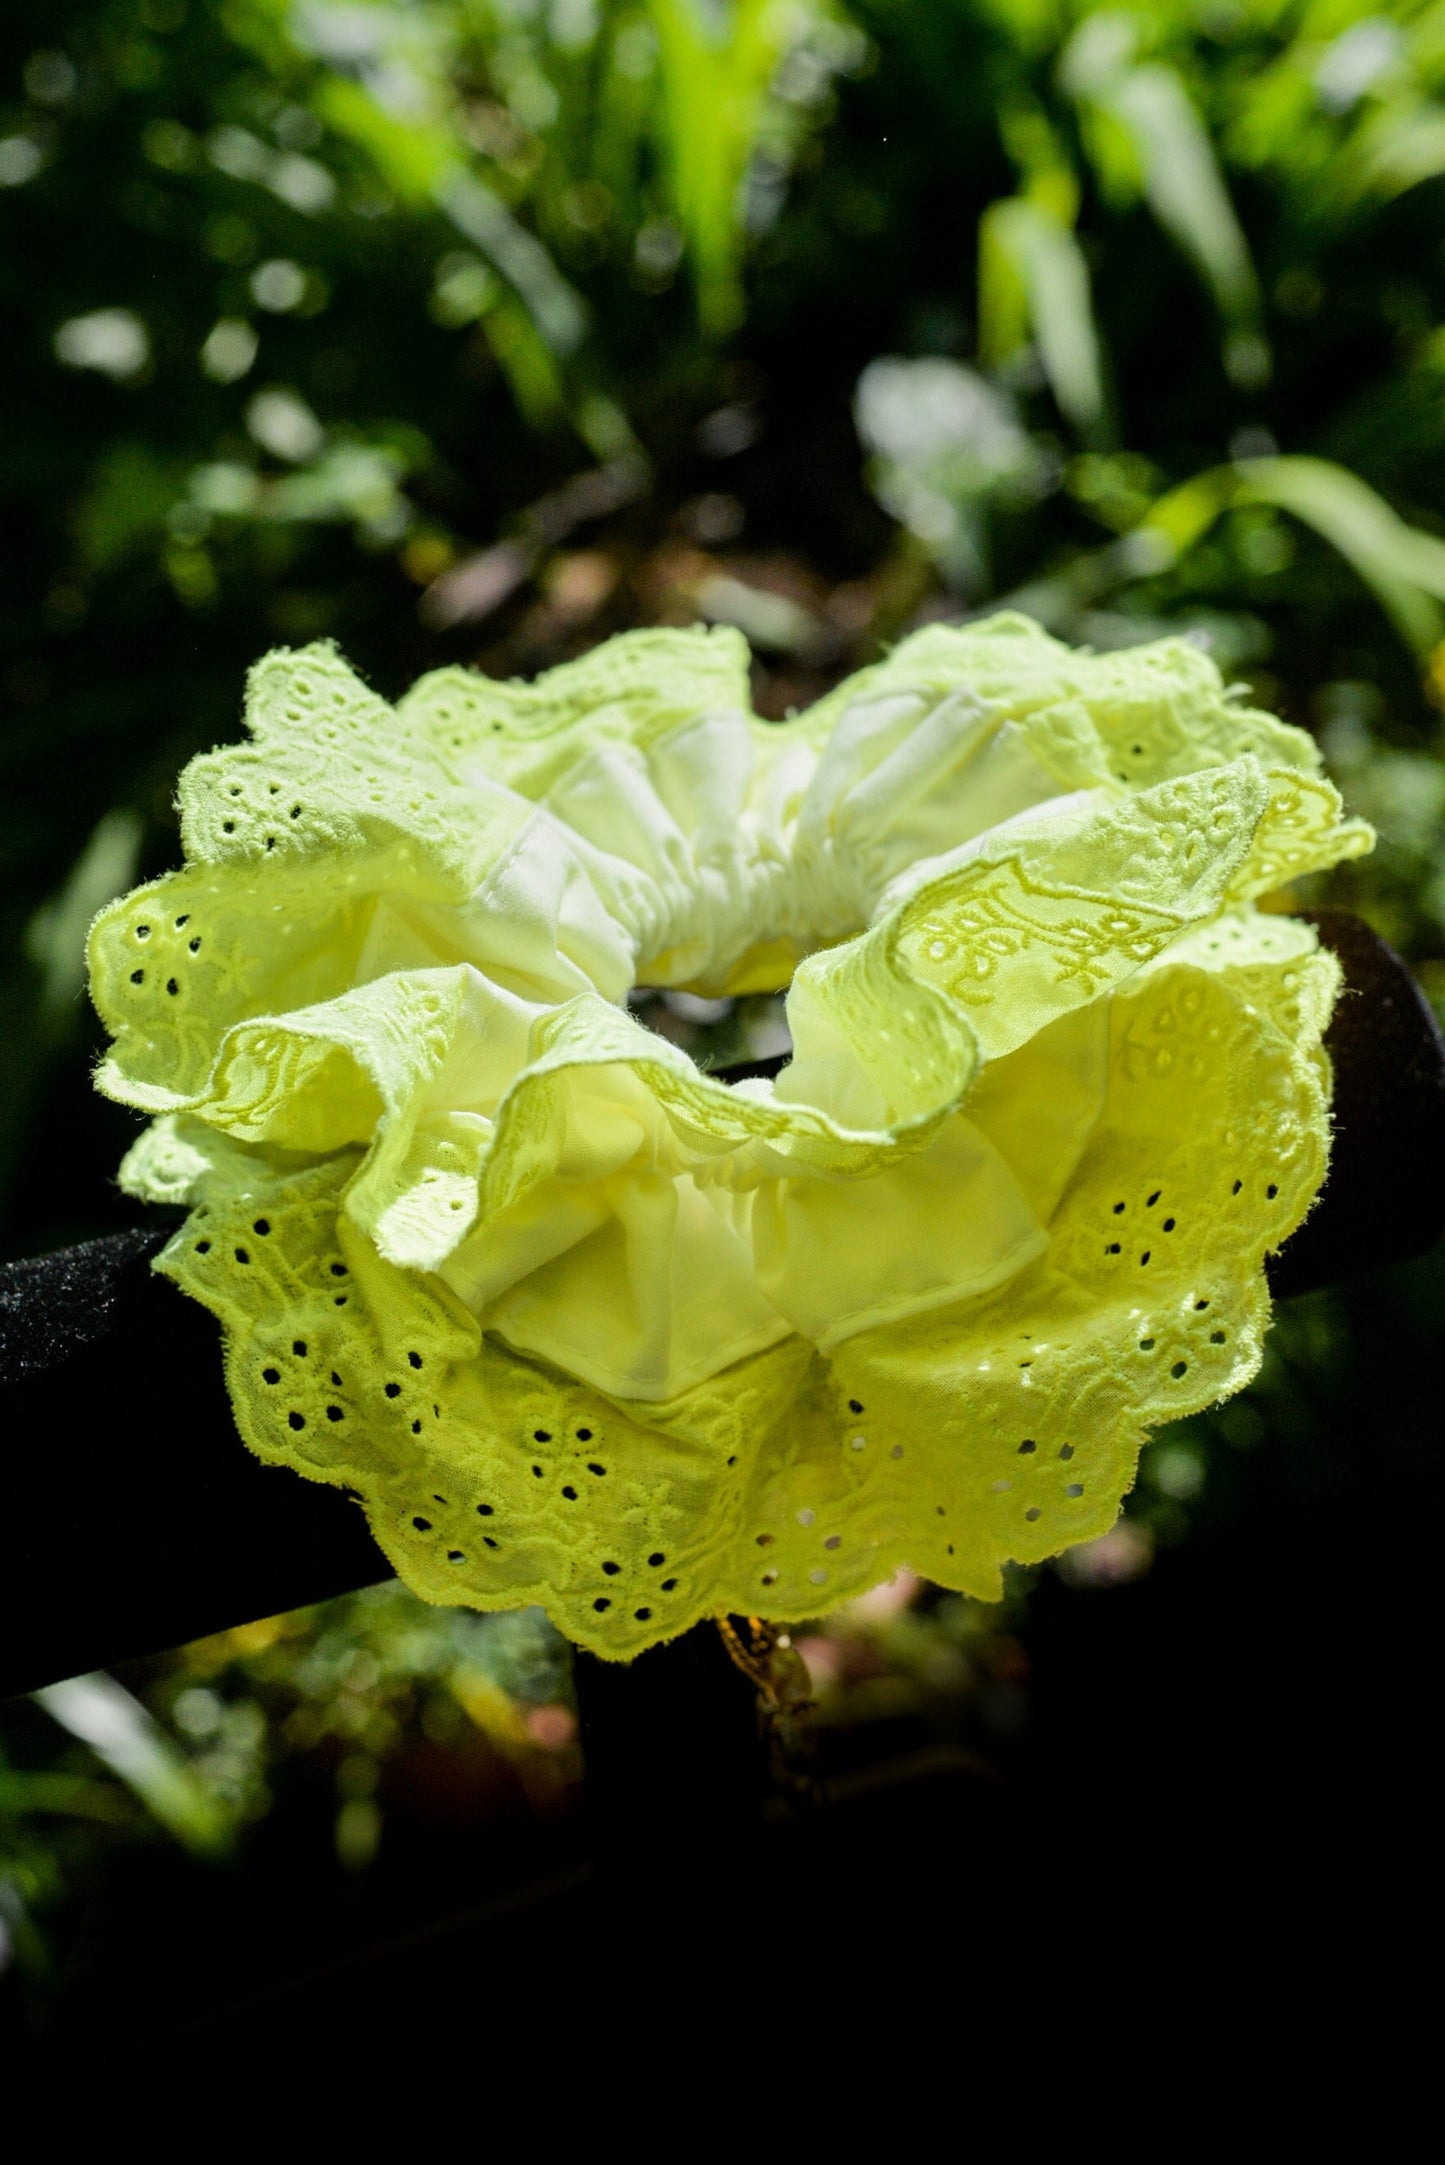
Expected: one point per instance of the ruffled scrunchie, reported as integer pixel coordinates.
(585, 1327)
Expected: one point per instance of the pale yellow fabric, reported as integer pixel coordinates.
(585, 1327)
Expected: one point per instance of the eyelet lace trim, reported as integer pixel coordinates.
(587, 1328)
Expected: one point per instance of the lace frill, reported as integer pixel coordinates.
(585, 1327)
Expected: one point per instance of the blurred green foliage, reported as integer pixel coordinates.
(477, 329)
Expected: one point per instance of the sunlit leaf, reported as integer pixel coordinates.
(1150, 121)
(1032, 273)
(1403, 567)
(479, 213)
(103, 1714)
(55, 936)
(715, 64)
(413, 154)
(1182, 180)
(1401, 146)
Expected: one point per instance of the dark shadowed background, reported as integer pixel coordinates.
(479, 329)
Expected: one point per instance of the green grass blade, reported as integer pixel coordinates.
(1184, 185)
(103, 1714)
(1403, 567)
(1031, 266)
(716, 65)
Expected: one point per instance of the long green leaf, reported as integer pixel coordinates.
(104, 1715)
(479, 213)
(56, 934)
(1403, 567)
(420, 160)
(1183, 183)
(1031, 267)
(1149, 133)
(1402, 146)
(716, 63)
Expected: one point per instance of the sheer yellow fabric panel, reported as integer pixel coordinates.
(585, 1327)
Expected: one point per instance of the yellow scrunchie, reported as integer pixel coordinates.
(587, 1328)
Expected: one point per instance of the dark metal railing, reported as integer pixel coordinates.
(134, 1520)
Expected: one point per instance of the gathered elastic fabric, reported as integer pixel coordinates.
(584, 1326)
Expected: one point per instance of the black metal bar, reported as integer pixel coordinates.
(677, 1773)
(1384, 1200)
(134, 1519)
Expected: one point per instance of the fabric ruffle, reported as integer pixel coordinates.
(586, 1327)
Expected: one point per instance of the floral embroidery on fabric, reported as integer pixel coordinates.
(586, 1327)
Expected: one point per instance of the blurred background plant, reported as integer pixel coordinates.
(480, 329)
